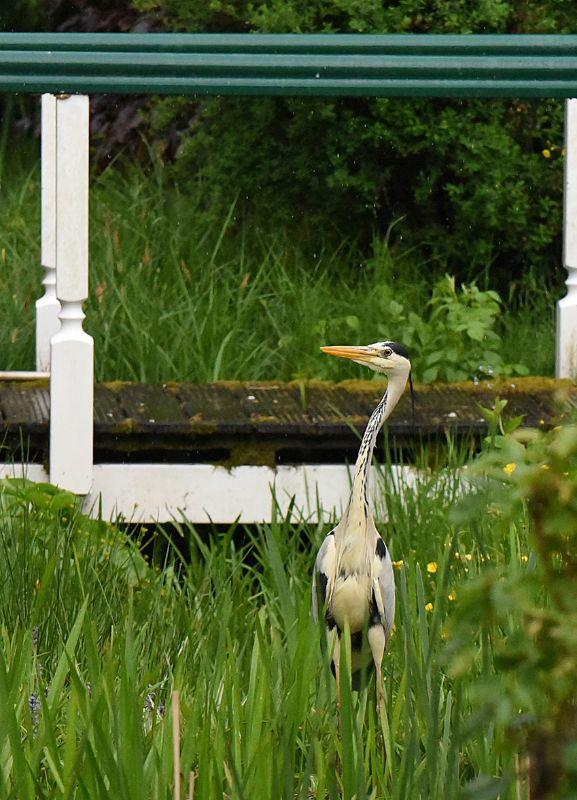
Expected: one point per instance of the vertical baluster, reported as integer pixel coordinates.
(47, 306)
(566, 360)
(72, 352)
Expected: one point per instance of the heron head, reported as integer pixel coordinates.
(388, 357)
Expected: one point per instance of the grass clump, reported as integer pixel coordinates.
(176, 295)
(95, 638)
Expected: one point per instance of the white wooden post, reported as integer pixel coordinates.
(566, 359)
(72, 351)
(47, 307)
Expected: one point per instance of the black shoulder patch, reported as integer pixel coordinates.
(381, 549)
(399, 349)
(323, 580)
(374, 617)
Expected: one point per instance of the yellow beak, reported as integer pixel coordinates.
(356, 353)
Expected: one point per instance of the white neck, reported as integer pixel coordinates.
(359, 500)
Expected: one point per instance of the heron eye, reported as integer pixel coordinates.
(387, 352)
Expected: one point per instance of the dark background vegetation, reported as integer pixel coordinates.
(474, 185)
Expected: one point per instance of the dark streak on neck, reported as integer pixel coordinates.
(365, 456)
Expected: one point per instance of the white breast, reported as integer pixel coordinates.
(350, 602)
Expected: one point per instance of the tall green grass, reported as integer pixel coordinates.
(176, 294)
(95, 639)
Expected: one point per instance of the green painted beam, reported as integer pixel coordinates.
(313, 65)
(404, 44)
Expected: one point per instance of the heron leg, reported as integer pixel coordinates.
(377, 642)
(335, 651)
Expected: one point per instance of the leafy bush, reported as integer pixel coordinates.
(529, 612)
(456, 340)
(477, 181)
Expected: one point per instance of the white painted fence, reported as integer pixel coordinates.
(207, 493)
(566, 351)
(65, 352)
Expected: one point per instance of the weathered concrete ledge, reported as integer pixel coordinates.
(270, 423)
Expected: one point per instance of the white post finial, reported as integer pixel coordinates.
(566, 359)
(47, 306)
(71, 378)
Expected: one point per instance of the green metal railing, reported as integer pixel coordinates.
(316, 65)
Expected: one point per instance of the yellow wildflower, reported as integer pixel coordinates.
(546, 153)
(432, 567)
(398, 564)
(468, 556)
(545, 466)
(509, 469)
(452, 595)
(525, 558)
(429, 607)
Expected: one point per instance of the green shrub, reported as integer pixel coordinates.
(456, 339)
(478, 182)
(527, 611)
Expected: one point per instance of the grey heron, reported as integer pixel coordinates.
(353, 581)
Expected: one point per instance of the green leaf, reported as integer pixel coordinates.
(512, 423)
(433, 358)
(62, 668)
(430, 374)
(395, 308)
(476, 331)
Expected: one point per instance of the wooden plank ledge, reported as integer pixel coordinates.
(268, 423)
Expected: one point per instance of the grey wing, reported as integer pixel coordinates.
(323, 574)
(384, 585)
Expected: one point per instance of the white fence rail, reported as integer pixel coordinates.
(202, 493)
(65, 351)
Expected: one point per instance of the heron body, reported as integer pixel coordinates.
(353, 579)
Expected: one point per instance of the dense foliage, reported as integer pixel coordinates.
(455, 338)
(532, 691)
(94, 639)
(475, 182)
(231, 302)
